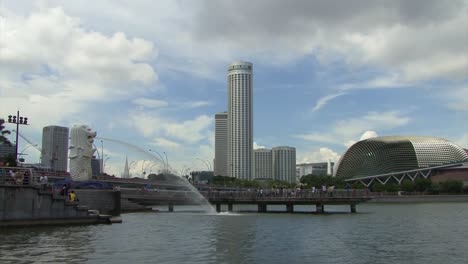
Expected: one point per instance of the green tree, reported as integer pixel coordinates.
(3, 133)
(392, 187)
(407, 186)
(422, 185)
(378, 187)
(451, 187)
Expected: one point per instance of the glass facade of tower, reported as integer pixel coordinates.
(284, 163)
(221, 144)
(240, 120)
(55, 147)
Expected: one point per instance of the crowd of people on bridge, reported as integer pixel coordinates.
(280, 191)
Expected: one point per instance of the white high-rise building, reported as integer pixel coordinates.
(55, 147)
(240, 120)
(263, 164)
(284, 163)
(221, 144)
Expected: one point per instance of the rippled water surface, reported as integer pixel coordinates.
(379, 233)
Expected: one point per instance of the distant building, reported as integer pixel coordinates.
(263, 164)
(221, 144)
(284, 163)
(55, 147)
(240, 120)
(96, 166)
(317, 168)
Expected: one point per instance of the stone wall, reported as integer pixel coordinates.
(26, 203)
(106, 201)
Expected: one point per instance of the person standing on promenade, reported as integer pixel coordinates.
(43, 180)
(11, 177)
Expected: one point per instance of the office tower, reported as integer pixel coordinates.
(284, 163)
(263, 164)
(221, 144)
(96, 166)
(55, 147)
(240, 120)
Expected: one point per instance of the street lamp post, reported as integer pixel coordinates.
(18, 120)
(102, 157)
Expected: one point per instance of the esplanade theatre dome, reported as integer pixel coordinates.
(381, 155)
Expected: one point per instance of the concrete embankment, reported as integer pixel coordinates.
(27, 205)
(419, 199)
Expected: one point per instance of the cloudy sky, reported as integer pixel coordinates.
(153, 73)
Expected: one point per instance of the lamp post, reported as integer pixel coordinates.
(102, 157)
(18, 120)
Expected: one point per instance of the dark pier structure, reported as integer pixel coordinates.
(319, 200)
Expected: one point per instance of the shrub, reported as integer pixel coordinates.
(451, 187)
(407, 186)
(422, 185)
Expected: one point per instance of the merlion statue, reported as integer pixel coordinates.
(81, 152)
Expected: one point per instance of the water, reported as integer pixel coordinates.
(379, 233)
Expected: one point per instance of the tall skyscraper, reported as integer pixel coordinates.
(263, 164)
(284, 163)
(240, 120)
(55, 147)
(221, 144)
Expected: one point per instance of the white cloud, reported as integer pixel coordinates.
(321, 155)
(52, 68)
(150, 103)
(368, 134)
(166, 143)
(197, 104)
(324, 100)
(457, 98)
(348, 130)
(257, 146)
(189, 131)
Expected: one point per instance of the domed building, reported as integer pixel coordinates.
(392, 154)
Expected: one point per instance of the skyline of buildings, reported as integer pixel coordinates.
(234, 153)
(55, 147)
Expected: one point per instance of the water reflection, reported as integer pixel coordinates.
(45, 244)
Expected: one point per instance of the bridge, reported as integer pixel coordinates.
(261, 200)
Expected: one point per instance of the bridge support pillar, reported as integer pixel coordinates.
(230, 207)
(320, 208)
(171, 208)
(218, 208)
(353, 208)
(262, 208)
(290, 208)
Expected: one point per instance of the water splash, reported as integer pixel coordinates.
(209, 209)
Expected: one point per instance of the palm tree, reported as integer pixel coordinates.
(3, 139)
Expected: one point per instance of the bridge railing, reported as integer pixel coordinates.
(18, 176)
(293, 195)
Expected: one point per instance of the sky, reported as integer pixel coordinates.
(153, 73)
